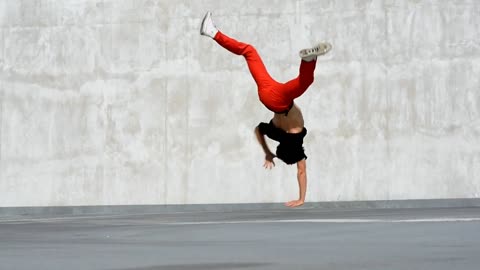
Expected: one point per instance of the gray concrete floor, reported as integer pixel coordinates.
(258, 239)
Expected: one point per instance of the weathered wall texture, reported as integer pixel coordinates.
(123, 102)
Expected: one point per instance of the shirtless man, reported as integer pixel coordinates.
(286, 126)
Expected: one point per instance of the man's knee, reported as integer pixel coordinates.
(249, 50)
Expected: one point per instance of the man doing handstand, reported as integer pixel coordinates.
(286, 126)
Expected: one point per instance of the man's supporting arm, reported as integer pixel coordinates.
(302, 184)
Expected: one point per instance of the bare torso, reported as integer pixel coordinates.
(290, 123)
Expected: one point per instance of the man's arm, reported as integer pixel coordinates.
(268, 154)
(302, 184)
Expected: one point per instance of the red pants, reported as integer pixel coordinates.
(277, 97)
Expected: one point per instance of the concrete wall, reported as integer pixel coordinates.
(123, 102)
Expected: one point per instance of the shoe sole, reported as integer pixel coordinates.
(312, 52)
(202, 30)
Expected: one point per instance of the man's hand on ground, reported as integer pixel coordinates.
(294, 203)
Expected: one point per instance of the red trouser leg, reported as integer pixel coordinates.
(299, 85)
(275, 96)
(269, 90)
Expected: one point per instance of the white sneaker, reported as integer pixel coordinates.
(312, 53)
(208, 28)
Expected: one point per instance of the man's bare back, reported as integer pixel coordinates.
(291, 122)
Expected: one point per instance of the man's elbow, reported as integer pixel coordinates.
(257, 131)
(301, 168)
